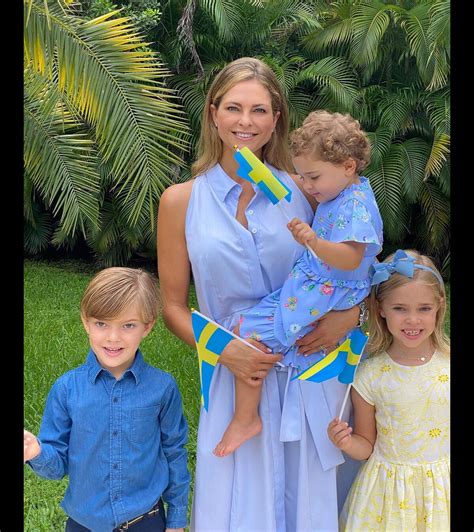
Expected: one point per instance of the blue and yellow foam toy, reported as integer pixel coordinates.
(252, 169)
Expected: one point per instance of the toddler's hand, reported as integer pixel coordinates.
(31, 448)
(301, 231)
(339, 433)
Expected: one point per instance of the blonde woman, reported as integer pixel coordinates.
(234, 241)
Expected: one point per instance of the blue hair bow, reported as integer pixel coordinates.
(403, 264)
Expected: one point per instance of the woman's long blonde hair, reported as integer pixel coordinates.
(380, 337)
(210, 144)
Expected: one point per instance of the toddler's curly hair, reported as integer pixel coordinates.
(331, 137)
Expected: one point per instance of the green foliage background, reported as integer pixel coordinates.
(386, 63)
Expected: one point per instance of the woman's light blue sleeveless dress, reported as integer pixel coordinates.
(284, 479)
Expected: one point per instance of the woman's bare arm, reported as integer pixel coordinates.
(174, 268)
(174, 271)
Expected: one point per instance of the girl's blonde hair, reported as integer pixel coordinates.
(210, 144)
(331, 137)
(113, 290)
(380, 337)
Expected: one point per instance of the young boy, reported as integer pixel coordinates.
(115, 425)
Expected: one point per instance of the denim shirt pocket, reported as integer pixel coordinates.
(145, 423)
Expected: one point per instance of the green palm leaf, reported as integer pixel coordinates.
(370, 21)
(439, 110)
(227, 17)
(436, 212)
(104, 71)
(335, 77)
(414, 156)
(385, 179)
(62, 164)
(396, 109)
(438, 155)
(380, 142)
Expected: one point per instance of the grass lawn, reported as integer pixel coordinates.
(55, 342)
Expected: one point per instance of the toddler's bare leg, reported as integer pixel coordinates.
(246, 422)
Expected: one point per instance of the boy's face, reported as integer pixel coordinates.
(115, 341)
(324, 180)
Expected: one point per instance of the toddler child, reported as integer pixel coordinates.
(115, 425)
(329, 152)
(400, 397)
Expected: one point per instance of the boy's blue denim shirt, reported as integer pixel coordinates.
(120, 441)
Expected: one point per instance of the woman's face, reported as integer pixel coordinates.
(245, 117)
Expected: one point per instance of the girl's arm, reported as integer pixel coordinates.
(357, 443)
(340, 255)
(174, 271)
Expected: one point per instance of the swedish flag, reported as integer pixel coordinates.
(252, 169)
(341, 362)
(211, 339)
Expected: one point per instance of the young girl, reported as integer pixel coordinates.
(329, 152)
(401, 404)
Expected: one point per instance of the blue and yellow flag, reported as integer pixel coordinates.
(341, 362)
(211, 339)
(252, 169)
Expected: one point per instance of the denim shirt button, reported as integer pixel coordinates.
(115, 466)
(114, 433)
(115, 399)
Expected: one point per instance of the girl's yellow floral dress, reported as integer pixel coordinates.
(405, 484)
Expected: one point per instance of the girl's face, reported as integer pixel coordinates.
(245, 117)
(115, 341)
(410, 313)
(324, 180)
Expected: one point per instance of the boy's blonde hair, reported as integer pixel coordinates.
(113, 290)
(210, 144)
(380, 337)
(331, 137)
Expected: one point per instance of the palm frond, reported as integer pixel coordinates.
(38, 224)
(385, 179)
(439, 110)
(396, 110)
(62, 163)
(139, 125)
(380, 142)
(439, 36)
(227, 17)
(370, 21)
(437, 213)
(438, 155)
(335, 76)
(414, 156)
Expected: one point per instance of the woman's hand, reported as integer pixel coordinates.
(328, 331)
(246, 363)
